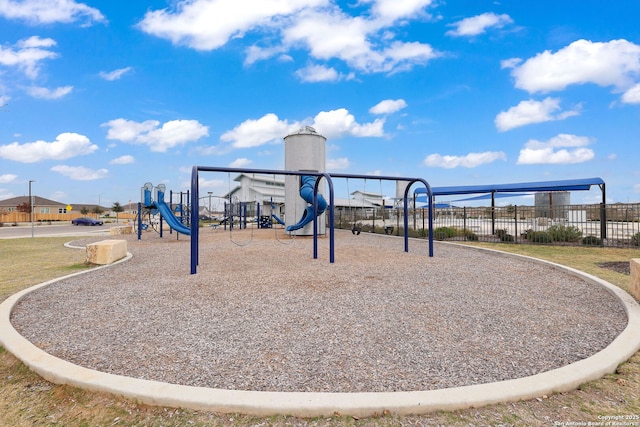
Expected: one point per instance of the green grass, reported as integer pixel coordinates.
(28, 400)
(26, 262)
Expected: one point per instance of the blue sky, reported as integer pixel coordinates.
(97, 98)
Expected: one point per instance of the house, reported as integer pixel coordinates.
(45, 210)
(267, 189)
(40, 205)
(254, 189)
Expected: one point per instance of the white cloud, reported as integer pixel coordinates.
(471, 160)
(390, 11)
(27, 55)
(636, 188)
(254, 133)
(4, 100)
(208, 184)
(80, 173)
(632, 96)
(158, 138)
(478, 24)
(4, 194)
(7, 178)
(341, 163)
(510, 63)
(531, 111)
(363, 42)
(256, 53)
(561, 149)
(66, 146)
(123, 160)
(49, 11)
(339, 123)
(615, 63)
(45, 93)
(210, 24)
(318, 73)
(239, 163)
(115, 74)
(270, 129)
(388, 106)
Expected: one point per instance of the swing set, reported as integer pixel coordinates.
(356, 226)
(240, 209)
(330, 208)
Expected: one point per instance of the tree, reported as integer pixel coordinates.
(117, 208)
(84, 210)
(24, 207)
(97, 210)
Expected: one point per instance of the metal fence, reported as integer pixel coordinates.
(616, 225)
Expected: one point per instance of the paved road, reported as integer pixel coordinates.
(20, 231)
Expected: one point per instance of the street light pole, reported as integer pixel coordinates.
(31, 207)
(210, 193)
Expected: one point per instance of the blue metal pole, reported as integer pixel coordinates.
(139, 221)
(195, 201)
(194, 224)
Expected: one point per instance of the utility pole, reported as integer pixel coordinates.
(31, 207)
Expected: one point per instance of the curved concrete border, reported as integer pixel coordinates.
(325, 404)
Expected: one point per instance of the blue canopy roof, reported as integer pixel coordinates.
(562, 185)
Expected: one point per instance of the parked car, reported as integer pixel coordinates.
(86, 221)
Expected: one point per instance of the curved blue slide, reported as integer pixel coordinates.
(171, 219)
(306, 192)
(168, 215)
(274, 216)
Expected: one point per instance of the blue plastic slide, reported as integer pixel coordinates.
(274, 216)
(306, 192)
(168, 215)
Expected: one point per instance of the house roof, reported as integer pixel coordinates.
(37, 200)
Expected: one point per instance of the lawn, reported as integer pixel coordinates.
(28, 400)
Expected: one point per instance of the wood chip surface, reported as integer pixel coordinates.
(267, 316)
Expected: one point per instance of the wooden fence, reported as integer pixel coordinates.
(17, 217)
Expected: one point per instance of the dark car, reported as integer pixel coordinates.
(86, 221)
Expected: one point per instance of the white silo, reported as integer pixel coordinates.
(304, 150)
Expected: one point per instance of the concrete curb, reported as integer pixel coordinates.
(326, 404)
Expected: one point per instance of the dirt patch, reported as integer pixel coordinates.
(618, 266)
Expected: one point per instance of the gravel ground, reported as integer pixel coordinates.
(267, 316)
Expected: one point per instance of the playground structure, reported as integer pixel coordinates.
(150, 208)
(312, 213)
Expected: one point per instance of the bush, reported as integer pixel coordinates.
(538, 236)
(592, 241)
(504, 236)
(469, 235)
(563, 233)
(635, 240)
(507, 238)
(442, 233)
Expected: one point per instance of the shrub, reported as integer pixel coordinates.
(507, 238)
(423, 232)
(592, 241)
(563, 233)
(635, 240)
(538, 236)
(469, 235)
(442, 233)
(504, 236)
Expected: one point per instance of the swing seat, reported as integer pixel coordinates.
(356, 230)
(388, 229)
